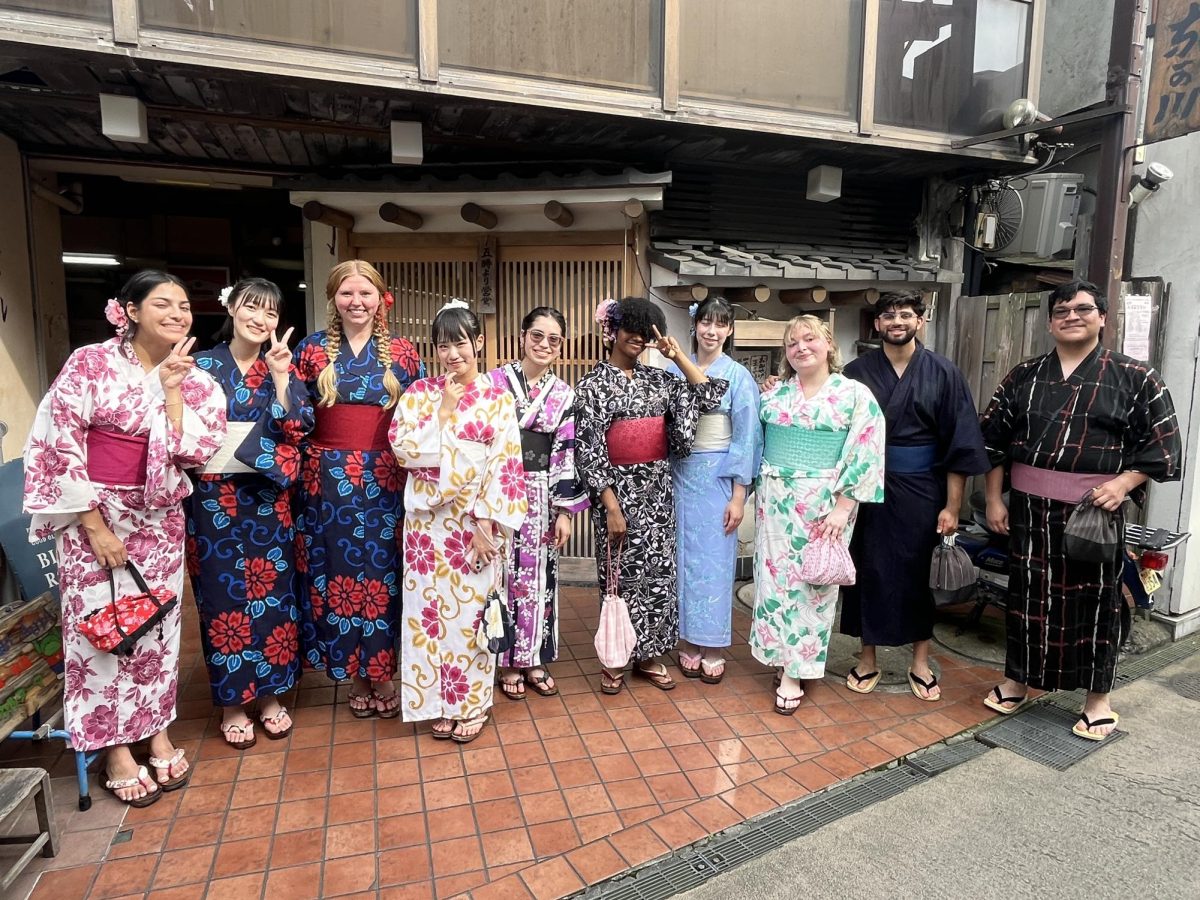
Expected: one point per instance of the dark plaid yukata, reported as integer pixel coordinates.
(1112, 415)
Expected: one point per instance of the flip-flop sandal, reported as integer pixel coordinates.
(686, 665)
(611, 684)
(275, 720)
(442, 735)
(712, 673)
(782, 708)
(539, 683)
(914, 680)
(362, 705)
(481, 720)
(661, 680)
(996, 705)
(143, 778)
(1111, 719)
(174, 782)
(513, 690)
(228, 727)
(862, 684)
(387, 706)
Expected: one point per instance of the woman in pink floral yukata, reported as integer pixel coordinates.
(104, 473)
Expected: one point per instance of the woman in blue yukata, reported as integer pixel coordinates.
(240, 529)
(710, 496)
(351, 491)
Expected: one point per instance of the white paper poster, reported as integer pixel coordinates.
(1139, 309)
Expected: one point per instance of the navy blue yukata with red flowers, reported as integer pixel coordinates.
(350, 513)
(241, 539)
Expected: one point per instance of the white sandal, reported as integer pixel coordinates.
(174, 782)
(143, 778)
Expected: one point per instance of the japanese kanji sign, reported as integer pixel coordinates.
(1173, 101)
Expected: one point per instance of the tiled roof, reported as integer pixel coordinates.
(761, 260)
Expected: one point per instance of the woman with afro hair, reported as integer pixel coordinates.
(631, 418)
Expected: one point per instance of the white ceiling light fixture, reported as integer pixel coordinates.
(408, 144)
(123, 119)
(302, 286)
(90, 259)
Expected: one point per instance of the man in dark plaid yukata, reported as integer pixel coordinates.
(1079, 418)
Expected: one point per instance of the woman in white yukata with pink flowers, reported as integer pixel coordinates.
(104, 473)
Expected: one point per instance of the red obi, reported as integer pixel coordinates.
(635, 441)
(117, 458)
(351, 426)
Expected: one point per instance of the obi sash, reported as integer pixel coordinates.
(223, 461)
(351, 426)
(714, 432)
(795, 447)
(1065, 487)
(117, 458)
(632, 442)
(910, 460)
(535, 449)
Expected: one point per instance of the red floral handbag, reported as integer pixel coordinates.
(117, 627)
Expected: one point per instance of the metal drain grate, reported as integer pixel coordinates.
(1159, 659)
(695, 865)
(935, 762)
(1043, 734)
(1187, 686)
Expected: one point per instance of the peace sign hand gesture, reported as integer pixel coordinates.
(173, 369)
(667, 346)
(278, 356)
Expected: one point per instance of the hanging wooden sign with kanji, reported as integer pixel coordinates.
(1173, 100)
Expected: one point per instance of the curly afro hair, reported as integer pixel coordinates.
(639, 316)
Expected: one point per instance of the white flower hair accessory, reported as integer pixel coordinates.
(223, 297)
(693, 309)
(454, 303)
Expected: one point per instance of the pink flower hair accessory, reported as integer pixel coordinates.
(115, 313)
(608, 317)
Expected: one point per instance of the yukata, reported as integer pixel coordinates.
(241, 535)
(1111, 415)
(470, 469)
(815, 450)
(546, 416)
(350, 511)
(727, 449)
(644, 562)
(932, 429)
(102, 440)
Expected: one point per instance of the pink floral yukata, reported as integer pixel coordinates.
(110, 700)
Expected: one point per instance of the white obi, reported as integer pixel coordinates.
(714, 431)
(223, 461)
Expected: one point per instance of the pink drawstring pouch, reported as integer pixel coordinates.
(827, 561)
(615, 637)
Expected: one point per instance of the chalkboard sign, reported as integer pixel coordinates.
(35, 565)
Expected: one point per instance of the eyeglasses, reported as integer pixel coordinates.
(1083, 311)
(539, 337)
(902, 316)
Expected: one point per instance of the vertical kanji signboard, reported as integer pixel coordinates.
(1173, 100)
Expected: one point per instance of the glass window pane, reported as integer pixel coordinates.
(613, 43)
(95, 10)
(799, 54)
(375, 27)
(950, 65)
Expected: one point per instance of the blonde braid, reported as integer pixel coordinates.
(383, 349)
(327, 380)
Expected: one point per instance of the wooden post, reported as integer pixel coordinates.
(634, 208)
(316, 211)
(670, 55)
(760, 293)
(475, 214)
(427, 41)
(398, 215)
(558, 214)
(687, 293)
(866, 296)
(797, 296)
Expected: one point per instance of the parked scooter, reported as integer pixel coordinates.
(1146, 559)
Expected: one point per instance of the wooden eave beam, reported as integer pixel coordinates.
(398, 215)
(559, 214)
(474, 214)
(794, 296)
(316, 211)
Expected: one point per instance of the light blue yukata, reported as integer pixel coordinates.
(728, 448)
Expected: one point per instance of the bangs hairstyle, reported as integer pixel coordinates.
(1065, 293)
(544, 312)
(817, 326)
(327, 380)
(890, 301)
(262, 293)
(139, 286)
(716, 309)
(637, 315)
(455, 324)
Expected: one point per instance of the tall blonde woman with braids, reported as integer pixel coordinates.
(351, 490)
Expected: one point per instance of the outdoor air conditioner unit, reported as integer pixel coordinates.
(1050, 204)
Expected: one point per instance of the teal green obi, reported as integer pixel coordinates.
(794, 447)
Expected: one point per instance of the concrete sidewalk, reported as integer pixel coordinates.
(1123, 823)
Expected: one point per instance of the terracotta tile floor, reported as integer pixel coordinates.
(557, 793)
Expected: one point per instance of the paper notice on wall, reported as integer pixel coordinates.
(1139, 309)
